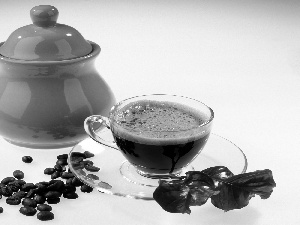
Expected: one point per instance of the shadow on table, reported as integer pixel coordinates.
(211, 215)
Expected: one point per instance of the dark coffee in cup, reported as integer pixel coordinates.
(159, 137)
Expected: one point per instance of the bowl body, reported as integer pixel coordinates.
(44, 104)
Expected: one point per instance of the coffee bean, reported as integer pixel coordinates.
(20, 194)
(20, 182)
(45, 215)
(69, 188)
(66, 175)
(91, 168)
(76, 182)
(55, 175)
(28, 211)
(28, 186)
(18, 174)
(70, 195)
(88, 154)
(7, 180)
(12, 200)
(41, 188)
(81, 172)
(29, 202)
(56, 185)
(46, 183)
(88, 162)
(93, 176)
(53, 200)
(35, 195)
(27, 159)
(40, 199)
(52, 194)
(77, 154)
(49, 171)
(78, 166)
(62, 162)
(44, 207)
(30, 193)
(62, 156)
(85, 188)
(6, 191)
(69, 181)
(59, 168)
(13, 186)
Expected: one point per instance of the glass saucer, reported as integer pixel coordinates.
(113, 178)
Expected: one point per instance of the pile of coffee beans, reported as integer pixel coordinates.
(36, 198)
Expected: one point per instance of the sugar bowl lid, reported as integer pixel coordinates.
(45, 40)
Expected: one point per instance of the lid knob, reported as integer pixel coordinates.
(44, 15)
(45, 39)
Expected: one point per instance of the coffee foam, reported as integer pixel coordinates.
(153, 122)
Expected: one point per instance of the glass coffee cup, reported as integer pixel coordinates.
(158, 134)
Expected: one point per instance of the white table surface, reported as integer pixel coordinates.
(242, 58)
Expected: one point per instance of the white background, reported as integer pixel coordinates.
(240, 57)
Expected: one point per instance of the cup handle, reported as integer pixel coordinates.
(104, 122)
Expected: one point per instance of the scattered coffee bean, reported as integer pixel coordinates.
(28, 211)
(56, 185)
(88, 154)
(41, 188)
(13, 186)
(55, 175)
(53, 200)
(20, 182)
(52, 194)
(27, 159)
(30, 193)
(46, 183)
(93, 176)
(35, 195)
(49, 171)
(91, 168)
(7, 180)
(78, 166)
(59, 168)
(40, 199)
(44, 207)
(62, 156)
(69, 181)
(66, 175)
(6, 191)
(28, 186)
(18, 174)
(12, 200)
(76, 182)
(88, 162)
(45, 215)
(77, 154)
(85, 188)
(81, 172)
(29, 202)
(20, 194)
(69, 188)
(77, 159)
(62, 162)
(70, 195)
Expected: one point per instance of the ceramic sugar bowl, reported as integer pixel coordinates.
(49, 84)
